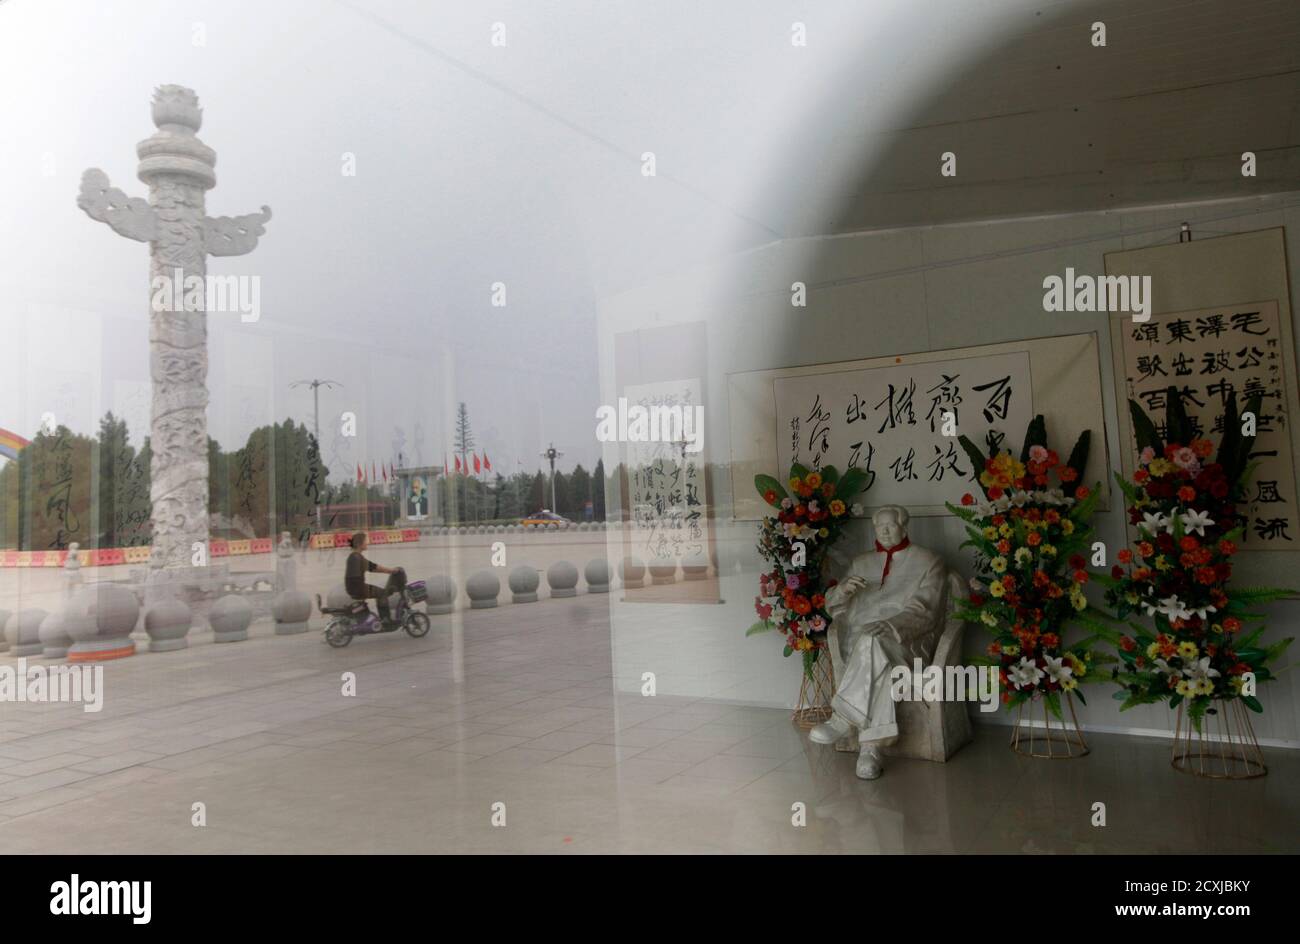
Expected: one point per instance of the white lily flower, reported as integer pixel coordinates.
(1202, 611)
(1024, 674)
(1195, 522)
(1173, 608)
(1165, 668)
(1155, 523)
(1200, 669)
(1057, 670)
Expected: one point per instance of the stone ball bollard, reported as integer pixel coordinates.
(100, 619)
(168, 622)
(442, 594)
(4, 638)
(695, 567)
(482, 589)
(54, 636)
(230, 617)
(632, 572)
(291, 611)
(523, 583)
(662, 572)
(23, 630)
(562, 578)
(597, 574)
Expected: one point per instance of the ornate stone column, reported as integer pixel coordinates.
(178, 168)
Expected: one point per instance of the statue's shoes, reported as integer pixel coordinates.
(870, 763)
(828, 732)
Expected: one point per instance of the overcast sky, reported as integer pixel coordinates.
(474, 163)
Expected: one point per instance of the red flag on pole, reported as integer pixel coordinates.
(384, 469)
(487, 465)
(446, 470)
(477, 468)
(458, 470)
(360, 475)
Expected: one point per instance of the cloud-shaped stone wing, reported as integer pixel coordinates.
(234, 235)
(133, 217)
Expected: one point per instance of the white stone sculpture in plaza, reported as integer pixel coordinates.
(888, 610)
(178, 169)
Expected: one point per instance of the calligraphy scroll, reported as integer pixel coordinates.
(1209, 355)
(888, 421)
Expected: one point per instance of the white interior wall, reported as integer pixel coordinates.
(872, 294)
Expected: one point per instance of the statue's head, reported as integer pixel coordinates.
(890, 524)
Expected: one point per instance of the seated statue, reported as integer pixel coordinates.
(888, 610)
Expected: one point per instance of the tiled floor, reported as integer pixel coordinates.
(514, 706)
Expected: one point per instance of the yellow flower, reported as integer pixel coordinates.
(1080, 668)
(794, 482)
(1184, 688)
(1187, 651)
(1005, 530)
(988, 619)
(1132, 598)
(996, 589)
(1067, 526)
(999, 565)
(1236, 682)
(991, 533)
(822, 532)
(1161, 466)
(1162, 563)
(1203, 686)
(837, 507)
(1011, 650)
(1152, 651)
(1069, 684)
(814, 480)
(1079, 601)
(1217, 627)
(1047, 550)
(1024, 555)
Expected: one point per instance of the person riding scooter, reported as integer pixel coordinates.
(354, 580)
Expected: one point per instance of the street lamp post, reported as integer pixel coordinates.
(315, 385)
(552, 454)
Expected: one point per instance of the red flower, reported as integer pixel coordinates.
(1033, 539)
(1189, 543)
(1187, 493)
(1231, 625)
(802, 606)
(770, 496)
(1082, 492)
(1125, 556)
(1117, 572)
(1080, 576)
(1141, 475)
(1077, 561)
(968, 499)
(995, 491)
(976, 600)
(1127, 644)
(1206, 576)
(1227, 548)
(1068, 474)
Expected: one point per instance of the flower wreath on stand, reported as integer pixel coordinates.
(810, 518)
(1183, 503)
(1030, 534)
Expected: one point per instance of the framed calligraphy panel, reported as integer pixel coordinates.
(885, 415)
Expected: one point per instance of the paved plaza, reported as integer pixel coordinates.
(515, 706)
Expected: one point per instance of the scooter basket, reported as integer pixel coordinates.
(419, 593)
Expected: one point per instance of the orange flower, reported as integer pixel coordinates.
(1202, 447)
(770, 496)
(1187, 493)
(1082, 492)
(837, 507)
(1033, 539)
(813, 480)
(1068, 474)
(802, 606)
(1125, 556)
(1145, 549)
(1004, 546)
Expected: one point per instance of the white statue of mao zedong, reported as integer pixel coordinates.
(887, 611)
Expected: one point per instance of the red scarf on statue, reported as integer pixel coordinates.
(889, 555)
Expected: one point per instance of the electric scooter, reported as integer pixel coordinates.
(357, 619)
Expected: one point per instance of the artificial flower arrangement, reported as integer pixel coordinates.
(1184, 506)
(810, 518)
(1030, 533)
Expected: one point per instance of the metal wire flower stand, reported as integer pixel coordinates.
(1063, 742)
(1225, 748)
(815, 693)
